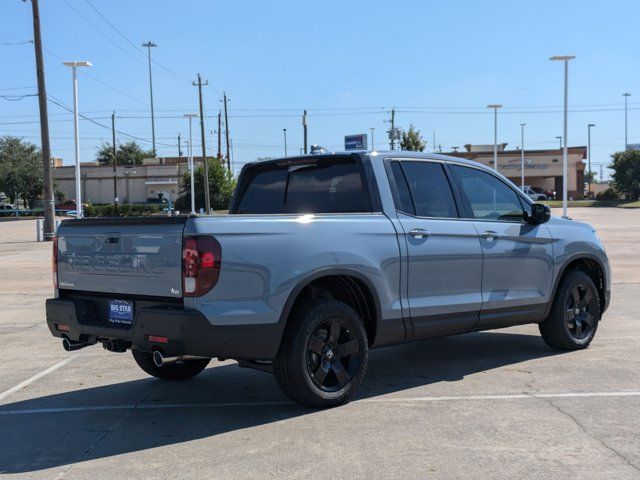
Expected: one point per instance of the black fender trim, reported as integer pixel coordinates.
(573, 258)
(328, 272)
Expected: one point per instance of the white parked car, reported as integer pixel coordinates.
(533, 195)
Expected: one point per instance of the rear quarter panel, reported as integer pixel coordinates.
(265, 257)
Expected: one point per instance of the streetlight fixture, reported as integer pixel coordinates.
(522, 125)
(74, 65)
(191, 116)
(589, 153)
(559, 138)
(565, 59)
(495, 107)
(626, 138)
(284, 131)
(149, 45)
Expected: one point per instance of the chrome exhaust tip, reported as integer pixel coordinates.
(70, 345)
(160, 360)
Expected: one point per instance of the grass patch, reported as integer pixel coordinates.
(593, 203)
(635, 204)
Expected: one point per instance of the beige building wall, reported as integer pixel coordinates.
(543, 168)
(136, 184)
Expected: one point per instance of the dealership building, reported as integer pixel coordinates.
(542, 168)
(155, 178)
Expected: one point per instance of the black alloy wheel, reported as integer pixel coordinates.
(332, 355)
(578, 315)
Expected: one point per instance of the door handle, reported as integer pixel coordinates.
(490, 234)
(419, 233)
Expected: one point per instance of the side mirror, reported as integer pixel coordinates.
(539, 214)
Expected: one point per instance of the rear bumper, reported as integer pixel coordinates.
(188, 331)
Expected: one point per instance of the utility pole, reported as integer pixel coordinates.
(373, 129)
(115, 179)
(226, 131)
(284, 131)
(495, 107)
(179, 147)
(219, 135)
(589, 154)
(392, 132)
(522, 125)
(47, 175)
(304, 127)
(626, 138)
(153, 126)
(207, 201)
(601, 174)
(434, 141)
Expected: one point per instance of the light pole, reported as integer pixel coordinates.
(589, 153)
(372, 145)
(559, 138)
(495, 107)
(284, 131)
(191, 116)
(626, 138)
(522, 125)
(74, 65)
(565, 59)
(153, 126)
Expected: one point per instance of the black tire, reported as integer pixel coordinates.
(174, 371)
(323, 356)
(575, 313)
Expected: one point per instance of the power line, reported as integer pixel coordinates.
(15, 98)
(130, 42)
(61, 105)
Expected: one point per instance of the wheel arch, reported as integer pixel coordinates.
(592, 266)
(348, 285)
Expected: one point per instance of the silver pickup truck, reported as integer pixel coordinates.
(321, 258)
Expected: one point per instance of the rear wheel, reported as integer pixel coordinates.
(323, 356)
(574, 316)
(175, 371)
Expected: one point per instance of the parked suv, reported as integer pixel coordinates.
(321, 258)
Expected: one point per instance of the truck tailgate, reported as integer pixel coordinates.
(133, 256)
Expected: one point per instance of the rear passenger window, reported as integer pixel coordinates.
(429, 189)
(328, 185)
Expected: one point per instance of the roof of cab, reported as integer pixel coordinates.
(379, 154)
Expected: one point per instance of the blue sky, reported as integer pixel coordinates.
(438, 63)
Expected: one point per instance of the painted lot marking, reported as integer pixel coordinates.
(516, 396)
(36, 377)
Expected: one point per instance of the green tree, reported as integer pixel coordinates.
(412, 140)
(20, 170)
(221, 186)
(626, 176)
(129, 153)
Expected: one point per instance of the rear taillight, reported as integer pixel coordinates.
(201, 256)
(54, 262)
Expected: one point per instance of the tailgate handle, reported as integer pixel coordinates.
(113, 238)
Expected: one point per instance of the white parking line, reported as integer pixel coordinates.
(36, 377)
(516, 396)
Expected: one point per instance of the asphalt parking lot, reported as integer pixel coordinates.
(485, 405)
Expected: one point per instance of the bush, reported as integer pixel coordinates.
(124, 210)
(608, 194)
(626, 173)
(221, 186)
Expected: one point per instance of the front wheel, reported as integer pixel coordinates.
(323, 356)
(175, 371)
(574, 316)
